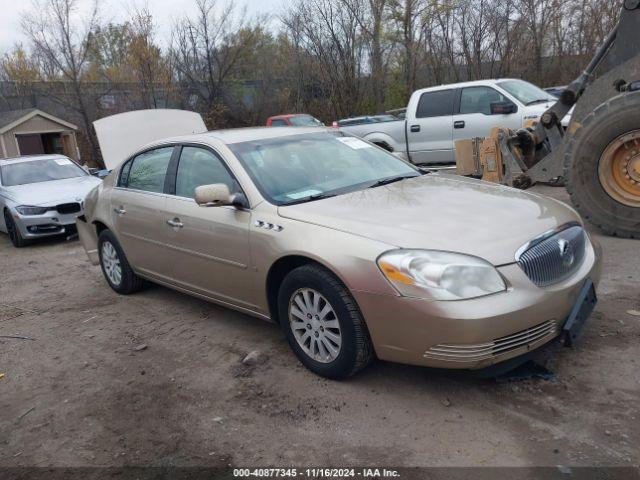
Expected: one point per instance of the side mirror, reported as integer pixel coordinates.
(503, 108)
(217, 195)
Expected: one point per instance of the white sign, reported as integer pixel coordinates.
(353, 142)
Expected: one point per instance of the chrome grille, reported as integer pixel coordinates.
(555, 257)
(466, 353)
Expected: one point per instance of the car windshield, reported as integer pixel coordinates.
(37, 171)
(305, 121)
(526, 92)
(299, 168)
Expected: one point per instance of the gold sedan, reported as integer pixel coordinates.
(355, 253)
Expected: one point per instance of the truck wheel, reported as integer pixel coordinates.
(602, 166)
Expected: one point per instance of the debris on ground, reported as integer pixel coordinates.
(140, 347)
(446, 402)
(26, 413)
(254, 357)
(18, 337)
(526, 371)
(1, 376)
(218, 419)
(635, 313)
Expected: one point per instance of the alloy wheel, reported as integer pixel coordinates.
(315, 325)
(111, 263)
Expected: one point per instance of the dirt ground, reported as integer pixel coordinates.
(80, 393)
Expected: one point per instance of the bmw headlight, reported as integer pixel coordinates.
(28, 210)
(440, 275)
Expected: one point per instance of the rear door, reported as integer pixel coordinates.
(430, 127)
(473, 117)
(210, 245)
(137, 209)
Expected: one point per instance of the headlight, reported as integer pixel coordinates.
(440, 275)
(27, 210)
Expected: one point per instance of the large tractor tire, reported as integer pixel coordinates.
(602, 166)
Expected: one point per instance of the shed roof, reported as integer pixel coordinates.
(13, 118)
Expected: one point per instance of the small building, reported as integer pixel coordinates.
(34, 132)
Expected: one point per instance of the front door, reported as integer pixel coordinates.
(210, 245)
(138, 210)
(474, 118)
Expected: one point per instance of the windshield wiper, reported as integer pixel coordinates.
(540, 100)
(387, 181)
(311, 198)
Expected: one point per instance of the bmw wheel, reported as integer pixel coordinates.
(323, 324)
(13, 231)
(115, 267)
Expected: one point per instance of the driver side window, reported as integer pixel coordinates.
(199, 166)
(479, 100)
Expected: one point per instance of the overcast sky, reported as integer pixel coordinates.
(164, 12)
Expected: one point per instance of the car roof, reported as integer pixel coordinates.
(30, 158)
(238, 135)
(474, 83)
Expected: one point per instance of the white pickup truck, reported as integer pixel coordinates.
(439, 116)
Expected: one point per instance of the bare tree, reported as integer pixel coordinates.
(60, 36)
(208, 48)
(331, 34)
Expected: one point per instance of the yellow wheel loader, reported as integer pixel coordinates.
(598, 155)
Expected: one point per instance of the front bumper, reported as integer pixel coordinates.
(46, 225)
(476, 333)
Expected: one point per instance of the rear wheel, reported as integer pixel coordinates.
(602, 166)
(115, 267)
(13, 231)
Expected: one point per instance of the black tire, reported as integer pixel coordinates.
(129, 282)
(606, 123)
(13, 232)
(356, 351)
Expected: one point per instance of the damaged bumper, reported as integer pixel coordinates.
(89, 238)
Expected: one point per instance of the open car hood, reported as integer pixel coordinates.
(122, 134)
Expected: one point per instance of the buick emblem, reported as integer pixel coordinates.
(566, 253)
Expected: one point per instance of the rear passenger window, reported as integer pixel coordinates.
(278, 123)
(479, 100)
(201, 167)
(148, 170)
(436, 104)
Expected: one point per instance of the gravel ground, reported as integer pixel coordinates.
(84, 391)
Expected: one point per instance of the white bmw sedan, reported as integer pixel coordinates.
(41, 195)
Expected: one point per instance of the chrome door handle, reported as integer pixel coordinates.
(120, 210)
(175, 223)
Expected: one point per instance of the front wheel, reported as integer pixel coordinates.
(13, 231)
(115, 267)
(323, 324)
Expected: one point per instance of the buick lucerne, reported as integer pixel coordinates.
(354, 252)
